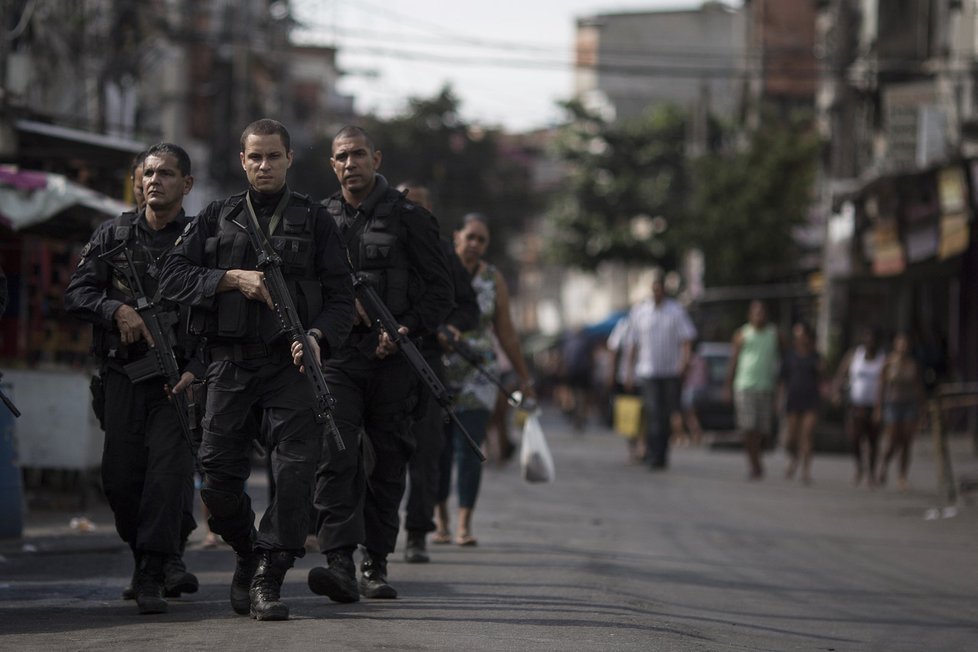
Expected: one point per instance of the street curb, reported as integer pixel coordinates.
(60, 544)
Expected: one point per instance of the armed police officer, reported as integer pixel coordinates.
(147, 462)
(429, 428)
(393, 245)
(213, 268)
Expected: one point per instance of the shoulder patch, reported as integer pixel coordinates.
(186, 231)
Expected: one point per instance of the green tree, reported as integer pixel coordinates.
(625, 192)
(466, 167)
(745, 204)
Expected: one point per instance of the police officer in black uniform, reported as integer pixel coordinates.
(429, 429)
(395, 244)
(147, 462)
(213, 268)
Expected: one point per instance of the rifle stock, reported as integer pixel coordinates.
(383, 318)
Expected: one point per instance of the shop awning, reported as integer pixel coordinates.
(50, 204)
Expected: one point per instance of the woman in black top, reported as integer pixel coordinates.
(801, 373)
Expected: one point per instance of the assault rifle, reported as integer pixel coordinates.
(383, 318)
(270, 264)
(160, 360)
(467, 353)
(10, 404)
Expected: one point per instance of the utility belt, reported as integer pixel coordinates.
(250, 352)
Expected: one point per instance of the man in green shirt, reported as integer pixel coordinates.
(751, 381)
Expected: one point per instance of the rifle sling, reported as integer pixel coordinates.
(276, 216)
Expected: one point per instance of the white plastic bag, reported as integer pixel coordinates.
(536, 461)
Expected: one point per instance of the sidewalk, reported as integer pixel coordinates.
(58, 531)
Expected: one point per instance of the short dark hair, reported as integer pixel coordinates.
(267, 127)
(177, 152)
(468, 218)
(352, 131)
(137, 160)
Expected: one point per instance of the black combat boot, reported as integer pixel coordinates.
(148, 584)
(244, 570)
(176, 579)
(338, 581)
(415, 552)
(267, 585)
(373, 577)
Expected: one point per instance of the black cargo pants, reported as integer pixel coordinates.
(147, 465)
(271, 389)
(357, 503)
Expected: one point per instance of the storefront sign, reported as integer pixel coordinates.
(955, 235)
(951, 190)
(888, 254)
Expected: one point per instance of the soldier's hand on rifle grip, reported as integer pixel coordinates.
(386, 346)
(131, 326)
(249, 282)
(185, 379)
(362, 314)
(297, 352)
(447, 336)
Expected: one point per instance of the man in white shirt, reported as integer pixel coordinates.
(660, 339)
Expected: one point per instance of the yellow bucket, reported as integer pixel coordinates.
(628, 415)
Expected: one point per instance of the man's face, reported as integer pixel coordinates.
(137, 187)
(355, 165)
(658, 291)
(265, 162)
(757, 315)
(163, 183)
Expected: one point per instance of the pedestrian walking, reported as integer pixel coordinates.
(800, 384)
(857, 383)
(475, 395)
(660, 341)
(751, 381)
(254, 389)
(394, 246)
(147, 463)
(900, 404)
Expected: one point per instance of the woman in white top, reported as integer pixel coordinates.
(857, 381)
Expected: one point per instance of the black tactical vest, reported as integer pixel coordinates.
(379, 252)
(146, 261)
(237, 317)
(144, 258)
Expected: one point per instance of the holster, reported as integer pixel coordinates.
(196, 401)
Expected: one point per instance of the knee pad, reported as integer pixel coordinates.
(222, 504)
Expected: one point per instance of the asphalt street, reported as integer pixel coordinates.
(611, 556)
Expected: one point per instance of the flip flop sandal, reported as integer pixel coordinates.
(441, 537)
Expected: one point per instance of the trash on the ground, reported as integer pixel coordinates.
(29, 547)
(81, 524)
(934, 513)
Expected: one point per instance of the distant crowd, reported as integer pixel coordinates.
(766, 381)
